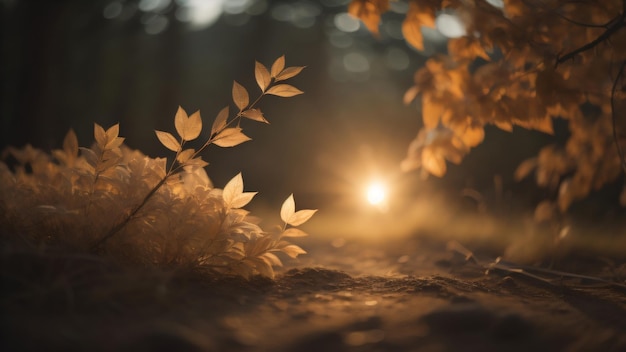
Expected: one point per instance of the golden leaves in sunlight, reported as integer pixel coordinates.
(369, 12)
(111, 198)
(419, 14)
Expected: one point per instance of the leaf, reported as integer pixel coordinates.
(230, 137)
(410, 95)
(433, 163)
(272, 259)
(294, 232)
(278, 66)
(412, 32)
(369, 12)
(242, 200)
(289, 72)
(113, 132)
(114, 143)
(188, 128)
(292, 250)
(99, 135)
(220, 121)
(168, 140)
(197, 162)
(262, 75)
(431, 112)
(193, 126)
(300, 217)
(240, 96)
(288, 209)
(185, 155)
(255, 115)
(525, 168)
(70, 144)
(90, 156)
(284, 90)
(233, 188)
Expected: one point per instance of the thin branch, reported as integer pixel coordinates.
(617, 24)
(582, 24)
(620, 152)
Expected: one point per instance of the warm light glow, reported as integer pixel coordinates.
(376, 193)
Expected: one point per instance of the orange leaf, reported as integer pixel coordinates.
(220, 121)
(230, 137)
(240, 96)
(254, 114)
(278, 66)
(289, 72)
(369, 12)
(412, 33)
(168, 140)
(433, 163)
(262, 75)
(284, 90)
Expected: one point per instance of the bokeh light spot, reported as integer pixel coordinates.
(450, 25)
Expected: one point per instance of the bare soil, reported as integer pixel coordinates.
(412, 296)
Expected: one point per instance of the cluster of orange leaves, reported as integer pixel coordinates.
(523, 64)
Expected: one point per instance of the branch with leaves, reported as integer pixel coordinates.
(224, 132)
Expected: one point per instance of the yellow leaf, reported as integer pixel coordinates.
(301, 216)
(278, 66)
(99, 135)
(255, 115)
(288, 209)
(292, 250)
(220, 121)
(193, 126)
(113, 132)
(240, 96)
(294, 232)
(284, 90)
(230, 137)
(179, 121)
(262, 75)
(410, 95)
(369, 12)
(242, 200)
(168, 140)
(289, 72)
(233, 188)
(185, 155)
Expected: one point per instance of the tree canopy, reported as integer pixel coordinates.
(521, 63)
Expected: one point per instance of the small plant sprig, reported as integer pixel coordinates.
(224, 132)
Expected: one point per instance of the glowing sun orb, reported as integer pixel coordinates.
(376, 193)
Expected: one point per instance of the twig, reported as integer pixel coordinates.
(620, 152)
(616, 24)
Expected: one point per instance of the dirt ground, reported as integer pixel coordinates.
(414, 295)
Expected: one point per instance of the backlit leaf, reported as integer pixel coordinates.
(185, 155)
(433, 163)
(220, 121)
(70, 144)
(288, 209)
(292, 250)
(168, 140)
(294, 232)
(99, 135)
(254, 114)
(262, 75)
(230, 137)
(113, 132)
(233, 189)
(284, 90)
(289, 72)
(410, 95)
(412, 32)
(301, 216)
(278, 66)
(240, 96)
(193, 126)
(242, 199)
(179, 121)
